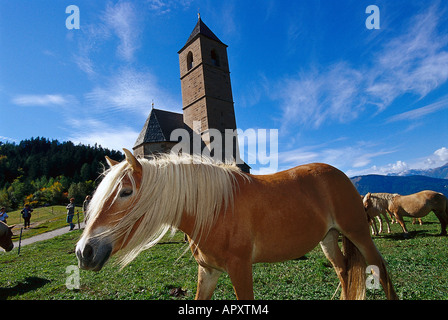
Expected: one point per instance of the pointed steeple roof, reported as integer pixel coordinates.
(158, 126)
(201, 29)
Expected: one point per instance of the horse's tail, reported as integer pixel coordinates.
(356, 271)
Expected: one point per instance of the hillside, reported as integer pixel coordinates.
(399, 184)
(42, 172)
(37, 157)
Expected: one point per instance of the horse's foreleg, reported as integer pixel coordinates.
(373, 227)
(401, 222)
(240, 272)
(387, 221)
(391, 216)
(207, 279)
(381, 224)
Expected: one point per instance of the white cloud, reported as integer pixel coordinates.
(298, 156)
(112, 139)
(42, 100)
(313, 98)
(412, 62)
(92, 131)
(85, 63)
(131, 91)
(121, 19)
(391, 168)
(442, 153)
(166, 6)
(8, 139)
(344, 157)
(421, 112)
(434, 160)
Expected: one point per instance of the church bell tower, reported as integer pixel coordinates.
(205, 81)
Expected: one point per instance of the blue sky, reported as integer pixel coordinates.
(363, 100)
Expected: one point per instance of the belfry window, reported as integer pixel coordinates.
(190, 61)
(215, 58)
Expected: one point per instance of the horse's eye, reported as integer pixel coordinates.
(126, 193)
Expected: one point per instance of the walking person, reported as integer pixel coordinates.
(70, 213)
(3, 215)
(26, 215)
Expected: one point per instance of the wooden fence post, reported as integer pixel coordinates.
(20, 241)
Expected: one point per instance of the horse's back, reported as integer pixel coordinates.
(315, 181)
(298, 206)
(421, 203)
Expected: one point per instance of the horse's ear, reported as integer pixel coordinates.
(111, 162)
(132, 160)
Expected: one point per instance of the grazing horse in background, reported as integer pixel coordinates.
(5, 236)
(418, 205)
(377, 204)
(232, 219)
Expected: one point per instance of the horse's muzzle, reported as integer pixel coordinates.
(92, 255)
(9, 247)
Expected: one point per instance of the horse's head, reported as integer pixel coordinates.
(367, 201)
(112, 201)
(6, 236)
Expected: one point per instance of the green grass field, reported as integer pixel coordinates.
(418, 267)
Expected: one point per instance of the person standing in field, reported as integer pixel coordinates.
(26, 215)
(70, 213)
(3, 215)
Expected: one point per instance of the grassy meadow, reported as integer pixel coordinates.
(418, 267)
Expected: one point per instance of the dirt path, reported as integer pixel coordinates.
(45, 236)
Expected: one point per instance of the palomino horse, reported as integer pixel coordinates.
(232, 219)
(418, 205)
(5, 236)
(377, 204)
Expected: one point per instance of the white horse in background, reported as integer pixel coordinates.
(377, 204)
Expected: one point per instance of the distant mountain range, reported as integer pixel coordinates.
(441, 172)
(407, 182)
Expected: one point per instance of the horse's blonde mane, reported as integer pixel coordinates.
(384, 195)
(171, 185)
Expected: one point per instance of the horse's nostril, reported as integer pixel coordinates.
(87, 253)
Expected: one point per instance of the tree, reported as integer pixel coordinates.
(85, 172)
(80, 190)
(5, 200)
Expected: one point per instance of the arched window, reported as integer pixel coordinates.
(215, 58)
(189, 60)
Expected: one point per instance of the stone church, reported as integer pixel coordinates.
(206, 98)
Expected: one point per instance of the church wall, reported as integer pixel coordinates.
(220, 114)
